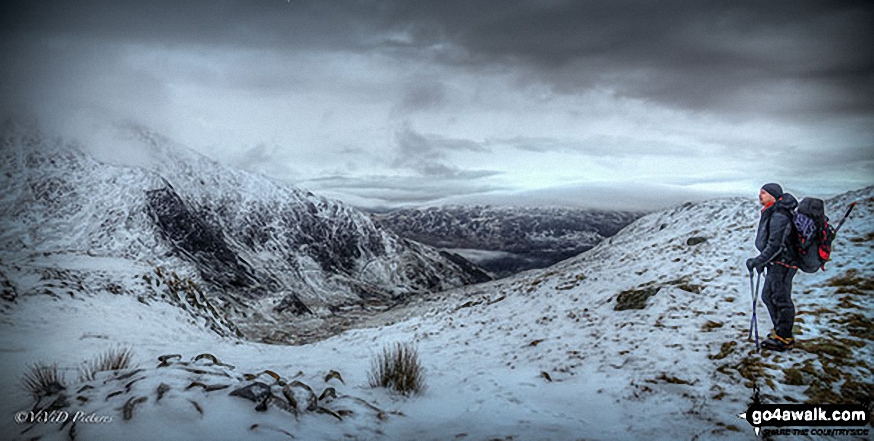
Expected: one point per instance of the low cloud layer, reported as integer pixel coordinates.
(407, 102)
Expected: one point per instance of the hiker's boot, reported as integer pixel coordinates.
(777, 343)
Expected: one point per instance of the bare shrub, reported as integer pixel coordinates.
(112, 360)
(42, 380)
(398, 368)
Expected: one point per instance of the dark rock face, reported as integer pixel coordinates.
(334, 247)
(7, 290)
(204, 243)
(215, 234)
(325, 232)
(477, 274)
(292, 304)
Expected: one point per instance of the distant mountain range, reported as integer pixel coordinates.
(506, 240)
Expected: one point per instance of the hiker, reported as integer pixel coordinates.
(777, 262)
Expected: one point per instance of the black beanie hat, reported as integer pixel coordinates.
(773, 189)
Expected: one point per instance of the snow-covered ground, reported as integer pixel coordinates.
(542, 355)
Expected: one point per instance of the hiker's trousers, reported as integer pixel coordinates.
(777, 296)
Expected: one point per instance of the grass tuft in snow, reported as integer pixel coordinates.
(43, 380)
(711, 325)
(726, 349)
(398, 367)
(858, 326)
(113, 359)
(852, 283)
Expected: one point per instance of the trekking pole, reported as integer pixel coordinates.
(754, 323)
(841, 223)
(756, 296)
(753, 299)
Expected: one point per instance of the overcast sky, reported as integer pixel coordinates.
(635, 104)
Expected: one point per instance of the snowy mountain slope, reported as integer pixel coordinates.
(506, 240)
(251, 248)
(682, 364)
(543, 355)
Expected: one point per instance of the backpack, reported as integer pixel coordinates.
(812, 236)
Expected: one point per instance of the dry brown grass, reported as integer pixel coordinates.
(398, 367)
(112, 360)
(42, 380)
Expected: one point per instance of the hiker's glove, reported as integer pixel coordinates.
(751, 263)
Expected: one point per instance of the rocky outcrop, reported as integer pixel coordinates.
(192, 237)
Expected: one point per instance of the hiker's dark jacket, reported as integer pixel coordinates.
(774, 228)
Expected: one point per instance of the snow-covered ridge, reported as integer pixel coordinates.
(243, 239)
(645, 335)
(659, 314)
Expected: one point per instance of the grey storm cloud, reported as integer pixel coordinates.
(825, 160)
(428, 154)
(264, 159)
(422, 95)
(709, 55)
(712, 55)
(274, 24)
(405, 100)
(595, 146)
